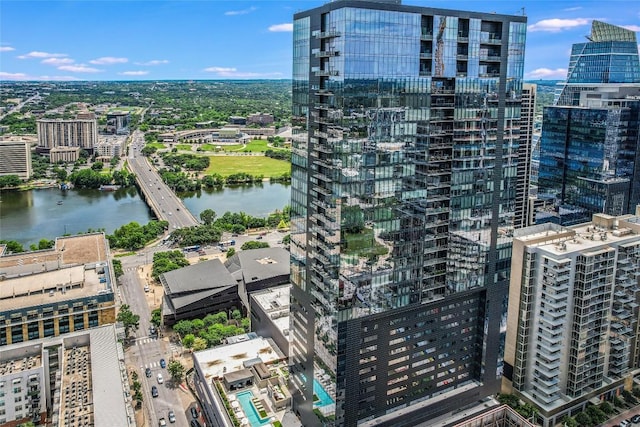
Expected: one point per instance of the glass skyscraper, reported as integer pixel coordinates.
(589, 157)
(404, 171)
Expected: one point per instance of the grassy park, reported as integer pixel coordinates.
(253, 165)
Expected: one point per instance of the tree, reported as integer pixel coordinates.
(583, 419)
(188, 341)
(231, 252)
(176, 370)
(156, 317)
(130, 321)
(236, 314)
(199, 344)
(606, 408)
(97, 166)
(596, 414)
(46, 244)
(568, 421)
(117, 267)
(12, 246)
(253, 244)
(618, 402)
(183, 327)
(208, 216)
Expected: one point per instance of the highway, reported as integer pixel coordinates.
(160, 198)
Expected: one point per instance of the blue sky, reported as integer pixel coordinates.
(209, 39)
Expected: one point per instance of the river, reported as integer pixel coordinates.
(28, 216)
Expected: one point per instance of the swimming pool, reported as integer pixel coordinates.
(250, 411)
(324, 397)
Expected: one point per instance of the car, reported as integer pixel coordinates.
(635, 419)
(172, 417)
(624, 423)
(259, 238)
(147, 372)
(195, 423)
(152, 330)
(162, 422)
(154, 391)
(177, 209)
(170, 214)
(160, 379)
(163, 364)
(194, 412)
(147, 288)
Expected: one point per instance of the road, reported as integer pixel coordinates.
(162, 200)
(18, 107)
(147, 351)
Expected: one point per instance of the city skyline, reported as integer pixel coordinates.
(169, 40)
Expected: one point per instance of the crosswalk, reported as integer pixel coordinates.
(150, 365)
(146, 340)
(175, 348)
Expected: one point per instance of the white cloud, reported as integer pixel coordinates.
(108, 60)
(6, 48)
(134, 73)
(635, 28)
(13, 76)
(57, 61)
(79, 68)
(556, 25)
(240, 12)
(281, 28)
(572, 9)
(153, 62)
(23, 76)
(234, 73)
(220, 70)
(36, 54)
(547, 73)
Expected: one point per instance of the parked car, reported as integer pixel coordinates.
(194, 412)
(162, 422)
(163, 364)
(195, 423)
(147, 372)
(635, 419)
(172, 417)
(160, 379)
(154, 391)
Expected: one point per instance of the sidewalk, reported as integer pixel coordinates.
(623, 416)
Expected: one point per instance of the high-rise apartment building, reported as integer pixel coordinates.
(525, 151)
(404, 173)
(15, 159)
(574, 311)
(589, 147)
(67, 133)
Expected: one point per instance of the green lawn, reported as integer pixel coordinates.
(184, 147)
(156, 145)
(254, 165)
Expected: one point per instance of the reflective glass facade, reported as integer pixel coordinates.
(404, 172)
(589, 157)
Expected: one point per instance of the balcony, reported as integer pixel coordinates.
(426, 55)
(324, 92)
(327, 53)
(326, 73)
(426, 35)
(328, 34)
(490, 58)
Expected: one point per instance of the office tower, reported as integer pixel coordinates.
(66, 133)
(118, 123)
(15, 158)
(525, 150)
(589, 158)
(404, 172)
(573, 304)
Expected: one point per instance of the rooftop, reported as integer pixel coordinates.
(275, 302)
(10, 365)
(217, 361)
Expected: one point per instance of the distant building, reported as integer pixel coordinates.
(86, 115)
(590, 144)
(237, 120)
(118, 123)
(64, 154)
(111, 147)
(15, 159)
(525, 149)
(262, 119)
(66, 133)
(77, 378)
(197, 290)
(51, 292)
